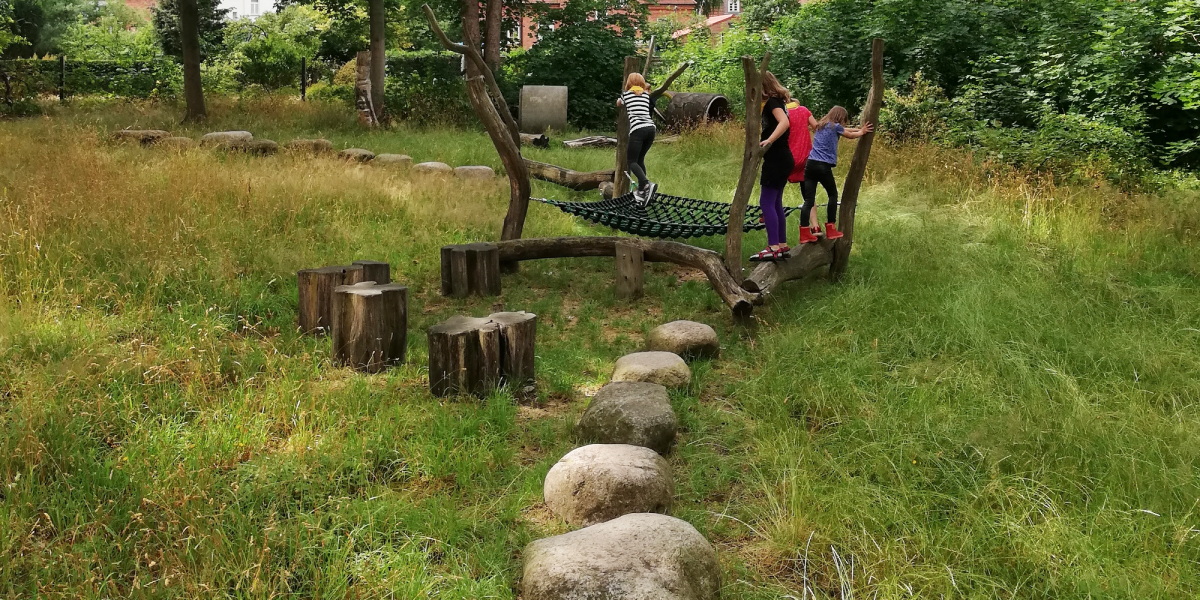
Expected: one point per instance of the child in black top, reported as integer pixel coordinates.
(776, 167)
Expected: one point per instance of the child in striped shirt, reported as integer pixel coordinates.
(636, 100)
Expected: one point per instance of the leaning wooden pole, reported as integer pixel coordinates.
(858, 166)
(621, 179)
(751, 156)
(489, 104)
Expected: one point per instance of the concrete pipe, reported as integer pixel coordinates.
(543, 107)
(689, 109)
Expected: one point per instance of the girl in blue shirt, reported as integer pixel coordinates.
(819, 169)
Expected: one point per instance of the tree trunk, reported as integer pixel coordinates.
(370, 325)
(620, 179)
(751, 156)
(470, 32)
(189, 32)
(378, 55)
(491, 44)
(575, 180)
(858, 166)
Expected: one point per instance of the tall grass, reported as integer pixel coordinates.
(999, 401)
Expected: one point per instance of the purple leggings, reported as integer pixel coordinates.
(771, 201)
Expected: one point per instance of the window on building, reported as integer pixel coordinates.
(254, 9)
(733, 7)
(514, 35)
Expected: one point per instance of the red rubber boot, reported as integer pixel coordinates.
(806, 235)
(831, 232)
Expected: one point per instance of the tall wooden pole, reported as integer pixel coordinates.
(189, 33)
(494, 19)
(751, 156)
(858, 166)
(620, 179)
(378, 26)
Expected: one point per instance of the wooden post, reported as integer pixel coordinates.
(316, 288)
(649, 57)
(373, 270)
(751, 155)
(62, 78)
(470, 269)
(469, 355)
(858, 166)
(362, 89)
(303, 79)
(630, 263)
(620, 179)
(370, 325)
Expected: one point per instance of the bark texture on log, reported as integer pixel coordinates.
(579, 181)
(364, 101)
(858, 166)
(740, 302)
(189, 33)
(469, 355)
(378, 28)
(374, 270)
(370, 325)
(751, 157)
(494, 21)
(470, 269)
(630, 270)
(316, 288)
(768, 275)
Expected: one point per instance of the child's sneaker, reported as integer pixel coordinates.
(651, 190)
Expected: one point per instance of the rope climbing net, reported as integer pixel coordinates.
(664, 217)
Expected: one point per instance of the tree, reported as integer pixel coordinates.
(495, 27)
(378, 55)
(210, 25)
(8, 37)
(41, 25)
(189, 34)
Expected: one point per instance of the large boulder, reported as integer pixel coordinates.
(357, 154)
(474, 172)
(634, 413)
(435, 168)
(176, 143)
(688, 339)
(663, 368)
(315, 146)
(260, 146)
(228, 140)
(601, 482)
(635, 557)
(145, 137)
(394, 160)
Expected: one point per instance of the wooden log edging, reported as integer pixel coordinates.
(741, 302)
(804, 260)
(579, 181)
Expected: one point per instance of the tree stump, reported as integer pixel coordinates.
(469, 355)
(630, 263)
(316, 293)
(370, 325)
(470, 269)
(373, 270)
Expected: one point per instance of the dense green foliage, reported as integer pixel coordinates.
(40, 25)
(8, 36)
(268, 50)
(212, 27)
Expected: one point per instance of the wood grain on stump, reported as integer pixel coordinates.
(469, 355)
(470, 269)
(316, 294)
(630, 263)
(370, 325)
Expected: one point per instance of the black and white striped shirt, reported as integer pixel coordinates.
(637, 106)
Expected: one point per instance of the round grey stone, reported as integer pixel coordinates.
(432, 167)
(177, 143)
(601, 482)
(663, 368)
(226, 139)
(315, 146)
(634, 413)
(357, 154)
(474, 172)
(399, 160)
(642, 556)
(141, 136)
(260, 146)
(688, 339)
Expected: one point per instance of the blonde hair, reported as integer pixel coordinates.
(773, 89)
(836, 114)
(635, 79)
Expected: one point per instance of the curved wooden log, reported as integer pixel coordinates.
(741, 303)
(579, 181)
(805, 259)
(752, 155)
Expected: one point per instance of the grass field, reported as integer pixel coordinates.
(1000, 401)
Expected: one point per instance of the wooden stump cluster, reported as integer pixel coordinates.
(469, 355)
(470, 269)
(316, 288)
(370, 325)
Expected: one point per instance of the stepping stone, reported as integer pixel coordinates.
(177, 143)
(474, 173)
(432, 167)
(633, 413)
(688, 339)
(260, 146)
(636, 557)
(663, 368)
(226, 139)
(357, 154)
(145, 137)
(399, 160)
(601, 482)
(317, 146)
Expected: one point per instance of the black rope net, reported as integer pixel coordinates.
(664, 217)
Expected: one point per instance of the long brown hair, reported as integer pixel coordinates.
(837, 115)
(635, 79)
(773, 89)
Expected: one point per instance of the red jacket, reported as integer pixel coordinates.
(799, 139)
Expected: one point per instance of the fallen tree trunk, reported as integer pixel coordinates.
(741, 303)
(805, 259)
(579, 181)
